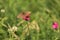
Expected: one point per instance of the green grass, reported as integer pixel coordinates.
(43, 14)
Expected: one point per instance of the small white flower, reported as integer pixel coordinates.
(10, 30)
(2, 10)
(14, 28)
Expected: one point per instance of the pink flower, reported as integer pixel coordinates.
(24, 16)
(27, 18)
(55, 25)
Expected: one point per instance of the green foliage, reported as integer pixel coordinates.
(43, 13)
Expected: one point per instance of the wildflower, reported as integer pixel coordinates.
(55, 25)
(24, 16)
(14, 28)
(2, 10)
(27, 18)
(9, 30)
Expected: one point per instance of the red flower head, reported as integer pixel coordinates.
(55, 25)
(24, 15)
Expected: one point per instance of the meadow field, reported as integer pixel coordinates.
(29, 19)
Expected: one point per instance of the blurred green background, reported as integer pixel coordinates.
(43, 14)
